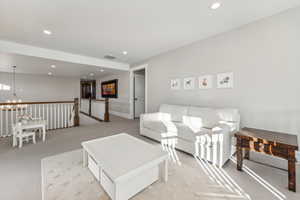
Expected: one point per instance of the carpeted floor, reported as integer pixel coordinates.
(65, 178)
(20, 169)
(189, 178)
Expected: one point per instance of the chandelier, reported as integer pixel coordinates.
(14, 103)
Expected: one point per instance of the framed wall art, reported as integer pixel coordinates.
(225, 80)
(205, 81)
(189, 83)
(175, 84)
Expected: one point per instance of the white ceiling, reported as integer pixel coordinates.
(144, 28)
(41, 66)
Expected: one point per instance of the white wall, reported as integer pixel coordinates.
(265, 59)
(41, 88)
(119, 106)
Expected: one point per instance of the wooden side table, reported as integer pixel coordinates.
(272, 143)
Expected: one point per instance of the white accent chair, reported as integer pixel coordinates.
(204, 132)
(21, 135)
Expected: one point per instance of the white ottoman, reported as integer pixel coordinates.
(124, 165)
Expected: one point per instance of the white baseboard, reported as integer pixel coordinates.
(120, 114)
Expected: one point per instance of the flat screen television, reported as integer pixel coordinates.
(109, 89)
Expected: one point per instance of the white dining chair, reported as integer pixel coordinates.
(21, 135)
(30, 118)
(38, 130)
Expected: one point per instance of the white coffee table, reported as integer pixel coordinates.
(124, 165)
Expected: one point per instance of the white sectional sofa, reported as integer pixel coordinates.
(204, 132)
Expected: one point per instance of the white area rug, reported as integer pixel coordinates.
(64, 178)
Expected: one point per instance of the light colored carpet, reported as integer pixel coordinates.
(20, 169)
(64, 178)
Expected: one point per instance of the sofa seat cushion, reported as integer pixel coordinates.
(174, 129)
(186, 133)
(160, 126)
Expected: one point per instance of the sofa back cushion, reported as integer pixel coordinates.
(228, 114)
(202, 117)
(176, 112)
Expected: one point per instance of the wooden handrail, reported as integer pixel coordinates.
(57, 114)
(41, 102)
(75, 101)
(103, 100)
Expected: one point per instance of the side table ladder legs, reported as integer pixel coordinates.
(292, 170)
(239, 154)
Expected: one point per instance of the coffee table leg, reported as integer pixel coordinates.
(239, 154)
(164, 170)
(292, 170)
(85, 158)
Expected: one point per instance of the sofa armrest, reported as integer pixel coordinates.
(158, 116)
(221, 129)
(150, 117)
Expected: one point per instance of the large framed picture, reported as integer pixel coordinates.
(225, 80)
(109, 89)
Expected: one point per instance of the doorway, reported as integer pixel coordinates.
(138, 91)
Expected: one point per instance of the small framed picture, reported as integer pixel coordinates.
(189, 83)
(225, 80)
(175, 84)
(205, 82)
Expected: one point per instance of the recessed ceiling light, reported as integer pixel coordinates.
(49, 73)
(101, 70)
(47, 32)
(53, 66)
(92, 74)
(215, 5)
(125, 52)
